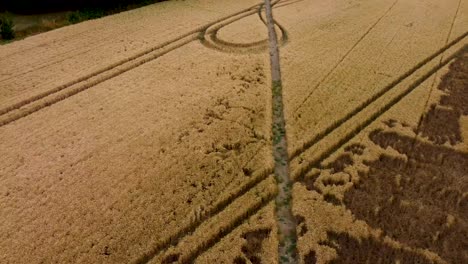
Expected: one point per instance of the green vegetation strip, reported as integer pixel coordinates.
(6, 27)
(287, 235)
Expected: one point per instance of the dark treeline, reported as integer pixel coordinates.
(43, 6)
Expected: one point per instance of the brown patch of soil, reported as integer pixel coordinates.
(455, 84)
(253, 246)
(368, 250)
(301, 225)
(419, 201)
(239, 260)
(441, 125)
(309, 181)
(341, 163)
(417, 198)
(173, 258)
(357, 149)
(310, 258)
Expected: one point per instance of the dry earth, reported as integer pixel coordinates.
(144, 137)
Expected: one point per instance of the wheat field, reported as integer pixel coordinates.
(145, 136)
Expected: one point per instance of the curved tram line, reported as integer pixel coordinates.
(25, 107)
(210, 39)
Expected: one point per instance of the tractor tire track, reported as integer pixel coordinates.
(210, 38)
(65, 38)
(106, 69)
(32, 105)
(382, 92)
(299, 176)
(174, 239)
(231, 226)
(26, 107)
(47, 64)
(322, 80)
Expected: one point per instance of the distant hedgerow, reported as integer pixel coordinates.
(6, 27)
(86, 14)
(99, 11)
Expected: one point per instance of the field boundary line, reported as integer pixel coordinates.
(223, 232)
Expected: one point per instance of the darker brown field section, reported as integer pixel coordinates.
(368, 250)
(419, 197)
(413, 200)
(441, 123)
(252, 247)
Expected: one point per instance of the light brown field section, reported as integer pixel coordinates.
(102, 175)
(165, 155)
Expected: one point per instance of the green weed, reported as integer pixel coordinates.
(6, 27)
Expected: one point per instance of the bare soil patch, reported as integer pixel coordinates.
(352, 250)
(419, 197)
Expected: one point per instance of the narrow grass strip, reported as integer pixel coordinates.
(287, 235)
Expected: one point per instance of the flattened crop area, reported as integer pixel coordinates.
(145, 137)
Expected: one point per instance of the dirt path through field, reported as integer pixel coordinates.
(287, 236)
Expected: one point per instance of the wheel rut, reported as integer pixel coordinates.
(28, 106)
(260, 177)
